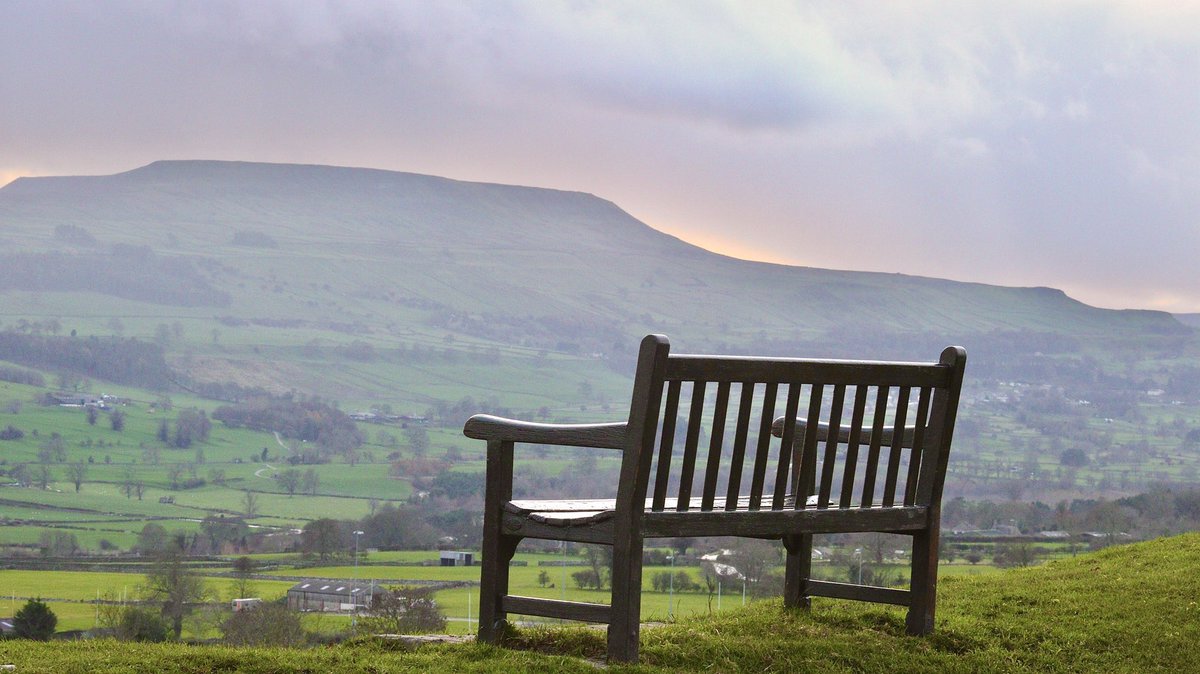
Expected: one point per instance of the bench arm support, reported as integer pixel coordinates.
(491, 428)
(844, 433)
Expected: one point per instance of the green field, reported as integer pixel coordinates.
(71, 593)
(1124, 609)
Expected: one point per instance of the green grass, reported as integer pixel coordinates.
(1125, 609)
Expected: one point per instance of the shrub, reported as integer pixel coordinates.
(404, 610)
(134, 623)
(1009, 555)
(680, 581)
(35, 620)
(264, 625)
(1075, 457)
(11, 433)
(587, 579)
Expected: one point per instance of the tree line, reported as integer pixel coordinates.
(122, 361)
(329, 429)
(131, 272)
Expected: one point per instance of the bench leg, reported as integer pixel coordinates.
(797, 570)
(625, 626)
(923, 588)
(497, 553)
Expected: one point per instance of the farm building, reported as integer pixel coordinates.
(75, 400)
(453, 558)
(330, 595)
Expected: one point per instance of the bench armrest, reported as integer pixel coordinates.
(844, 433)
(488, 427)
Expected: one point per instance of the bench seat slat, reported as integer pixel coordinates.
(590, 512)
(776, 523)
(528, 506)
(596, 526)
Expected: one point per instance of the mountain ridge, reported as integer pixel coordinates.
(509, 253)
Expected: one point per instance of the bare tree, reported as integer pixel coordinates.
(754, 558)
(173, 474)
(310, 482)
(127, 483)
(323, 537)
(243, 576)
(418, 439)
(152, 454)
(173, 585)
(43, 476)
(20, 473)
(249, 504)
(76, 472)
(289, 480)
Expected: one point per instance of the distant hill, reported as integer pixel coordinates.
(1189, 319)
(382, 255)
(503, 251)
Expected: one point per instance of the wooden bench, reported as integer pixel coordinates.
(757, 473)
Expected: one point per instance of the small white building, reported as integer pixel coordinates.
(246, 603)
(455, 558)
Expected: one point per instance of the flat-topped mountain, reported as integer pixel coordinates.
(494, 252)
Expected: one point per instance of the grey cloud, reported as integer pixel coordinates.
(1025, 143)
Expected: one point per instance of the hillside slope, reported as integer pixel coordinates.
(495, 251)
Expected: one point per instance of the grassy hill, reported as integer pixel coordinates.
(375, 288)
(1124, 609)
(493, 250)
(367, 286)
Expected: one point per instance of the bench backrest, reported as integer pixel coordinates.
(700, 432)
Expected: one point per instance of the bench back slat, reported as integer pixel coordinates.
(785, 456)
(691, 445)
(873, 447)
(846, 430)
(918, 442)
(852, 445)
(713, 467)
(762, 456)
(745, 403)
(670, 417)
(894, 456)
(804, 483)
(831, 445)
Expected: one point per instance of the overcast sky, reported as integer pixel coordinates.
(1018, 143)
